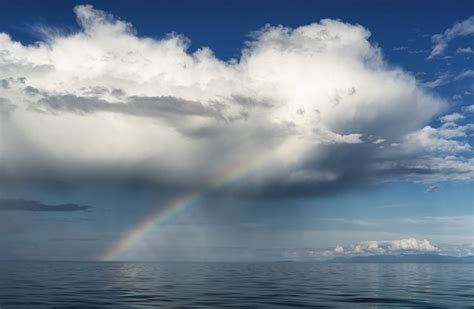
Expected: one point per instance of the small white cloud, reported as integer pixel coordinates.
(468, 109)
(411, 244)
(466, 50)
(465, 74)
(442, 220)
(418, 51)
(439, 81)
(451, 130)
(434, 140)
(432, 189)
(400, 48)
(451, 117)
(379, 141)
(441, 41)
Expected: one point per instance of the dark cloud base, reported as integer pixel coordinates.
(27, 205)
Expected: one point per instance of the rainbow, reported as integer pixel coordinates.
(177, 205)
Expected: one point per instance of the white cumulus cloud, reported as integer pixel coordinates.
(385, 247)
(301, 104)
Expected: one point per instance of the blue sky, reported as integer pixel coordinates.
(304, 127)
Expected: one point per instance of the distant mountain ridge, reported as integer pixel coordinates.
(405, 258)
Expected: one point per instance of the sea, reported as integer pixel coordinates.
(237, 285)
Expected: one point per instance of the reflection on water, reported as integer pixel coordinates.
(88, 284)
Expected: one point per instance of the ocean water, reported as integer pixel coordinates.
(240, 285)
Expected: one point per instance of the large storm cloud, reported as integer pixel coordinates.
(317, 105)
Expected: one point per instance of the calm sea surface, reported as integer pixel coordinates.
(250, 285)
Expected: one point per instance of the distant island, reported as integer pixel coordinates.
(405, 258)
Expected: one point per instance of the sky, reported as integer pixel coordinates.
(233, 130)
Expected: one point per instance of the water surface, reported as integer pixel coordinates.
(251, 285)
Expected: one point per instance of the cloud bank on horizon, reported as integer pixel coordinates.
(383, 247)
(318, 103)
